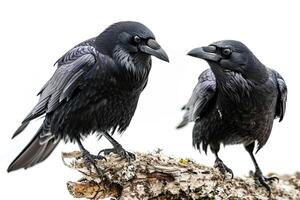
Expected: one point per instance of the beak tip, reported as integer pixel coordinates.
(162, 55)
(189, 54)
(194, 52)
(167, 60)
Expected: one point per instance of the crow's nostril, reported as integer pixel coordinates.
(210, 49)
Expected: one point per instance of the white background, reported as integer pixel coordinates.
(36, 33)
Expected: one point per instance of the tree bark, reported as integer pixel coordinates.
(155, 176)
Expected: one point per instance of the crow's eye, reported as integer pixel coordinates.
(136, 39)
(226, 52)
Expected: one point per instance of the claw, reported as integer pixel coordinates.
(120, 151)
(272, 178)
(223, 168)
(91, 160)
(265, 181)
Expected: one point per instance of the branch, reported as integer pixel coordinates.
(155, 176)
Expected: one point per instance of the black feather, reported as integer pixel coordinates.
(33, 153)
(235, 101)
(95, 88)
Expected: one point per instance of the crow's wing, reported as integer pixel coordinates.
(71, 69)
(201, 98)
(75, 52)
(282, 95)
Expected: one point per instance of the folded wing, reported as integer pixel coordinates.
(201, 99)
(67, 77)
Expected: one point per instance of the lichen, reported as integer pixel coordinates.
(156, 176)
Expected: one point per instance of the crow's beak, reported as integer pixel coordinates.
(154, 49)
(207, 53)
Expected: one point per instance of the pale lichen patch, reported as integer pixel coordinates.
(156, 176)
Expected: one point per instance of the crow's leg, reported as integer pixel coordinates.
(258, 176)
(219, 163)
(117, 148)
(89, 158)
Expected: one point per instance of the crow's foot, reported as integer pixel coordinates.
(265, 181)
(92, 160)
(222, 167)
(118, 149)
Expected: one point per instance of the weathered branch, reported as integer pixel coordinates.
(155, 176)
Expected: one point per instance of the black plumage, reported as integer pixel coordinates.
(234, 102)
(95, 88)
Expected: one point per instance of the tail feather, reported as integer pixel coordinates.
(49, 149)
(34, 153)
(38, 111)
(20, 129)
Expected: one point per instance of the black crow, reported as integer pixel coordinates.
(234, 102)
(95, 88)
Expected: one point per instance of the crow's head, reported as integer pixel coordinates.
(129, 42)
(228, 57)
